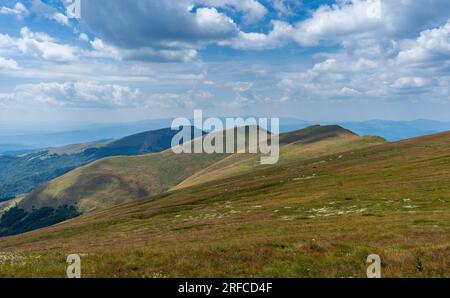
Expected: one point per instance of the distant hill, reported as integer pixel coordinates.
(76, 134)
(315, 217)
(310, 142)
(116, 180)
(397, 130)
(390, 130)
(14, 149)
(58, 135)
(112, 181)
(23, 173)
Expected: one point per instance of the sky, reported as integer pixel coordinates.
(321, 60)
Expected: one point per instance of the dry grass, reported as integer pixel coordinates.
(319, 217)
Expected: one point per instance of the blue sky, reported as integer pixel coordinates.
(314, 60)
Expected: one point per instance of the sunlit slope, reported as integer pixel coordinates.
(320, 217)
(314, 141)
(118, 180)
(23, 174)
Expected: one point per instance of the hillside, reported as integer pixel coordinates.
(313, 141)
(318, 217)
(21, 174)
(117, 180)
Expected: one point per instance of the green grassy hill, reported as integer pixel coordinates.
(22, 174)
(302, 144)
(117, 180)
(318, 217)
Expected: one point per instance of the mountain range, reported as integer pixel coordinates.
(116, 180)
(21, 174)
(333, 199)
(27, 139)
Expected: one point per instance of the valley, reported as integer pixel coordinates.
(20, 174)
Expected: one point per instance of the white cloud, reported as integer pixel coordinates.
(49, 12)
(331, 22)
(6, 42)
(72, 94)
(218, 23)
(278, 36)
(8, 64)
(157, 30)
(432, 45)
(83, 37)
(373, 60)
(189, 99)
(240, 87)
(410, 82)
(350, 92)
(19, 10)
(102, 49)
(39, 44)
(60, 18)
(356, 52)
(327, 23)
(340, 75)
(42, 45)
(351, 20)
(254, 11)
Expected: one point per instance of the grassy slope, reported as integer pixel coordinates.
(303, 144)
(308, 218)
(117, 180)
(23, 174)
(112, 181)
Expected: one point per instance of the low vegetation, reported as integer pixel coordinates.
(22, 174)
(315, 217)
(116, 180)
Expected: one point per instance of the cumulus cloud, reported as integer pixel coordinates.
(44, 46)
(410, 82)
(83, 37)
(40, 45)
(89, 94)
(72, 94)
(19, 10)
(374, 60)
(331, 22)
(377, 49)
(172, 28)
(60, 18)
(253, 10)
(327, 23)
(279, 36)
(336, 77)
(6, 41)
(352, 20)
(433, 45)
(8, 64)
(49, 12)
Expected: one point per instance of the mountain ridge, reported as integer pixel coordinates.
(316, 217)
(115, 180)
(23, 173)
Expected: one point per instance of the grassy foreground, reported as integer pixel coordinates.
(319, 217)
